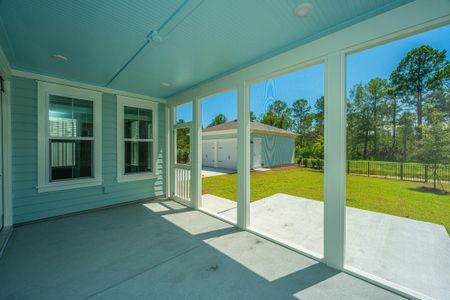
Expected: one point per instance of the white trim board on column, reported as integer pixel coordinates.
(335, 160)
(243, 156)
(167, 130)
(196, 154)
(7, 156)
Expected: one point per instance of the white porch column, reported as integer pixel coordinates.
(168, 150)
(7, 154)
(196, 155)
(243, 157)
(171, 151)
(335, 158)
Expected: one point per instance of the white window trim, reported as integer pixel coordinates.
(44, 90)
(123, 101)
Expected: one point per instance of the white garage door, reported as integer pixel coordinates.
(208, 153)
(227, 154)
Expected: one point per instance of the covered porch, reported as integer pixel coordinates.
(102, 129)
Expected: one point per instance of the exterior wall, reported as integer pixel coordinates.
(277, 150)
(221, 136)
(29, 205)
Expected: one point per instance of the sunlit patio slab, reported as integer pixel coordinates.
(411, 253)
(162, 250)
(209, 172)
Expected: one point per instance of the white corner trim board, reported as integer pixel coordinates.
(86, 86)
(7, 155)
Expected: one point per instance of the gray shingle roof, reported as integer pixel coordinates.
(254, 126)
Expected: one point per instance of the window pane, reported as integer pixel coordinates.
(138, 123)
(61, 122)
(183, 146)
(145, 124)
(70, 159)
(83, 114)
(70, 117)
(138, 157)
(131, 122)
(183, 113)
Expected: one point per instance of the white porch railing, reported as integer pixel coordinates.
(182, 184)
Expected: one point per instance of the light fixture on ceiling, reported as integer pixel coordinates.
(165, 84)
(155, 36)
(303, 9)
(59, 57)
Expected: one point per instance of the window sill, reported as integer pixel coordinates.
(136, 177)
(60, 186)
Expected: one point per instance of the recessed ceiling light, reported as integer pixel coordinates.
(165, 84)
(303, 9)
(59, 57)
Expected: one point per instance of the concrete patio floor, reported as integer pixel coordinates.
(162, 250)
(406, 252)
(208, 172)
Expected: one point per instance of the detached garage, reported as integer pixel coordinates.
(270, 146)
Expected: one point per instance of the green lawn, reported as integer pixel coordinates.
(394, 197)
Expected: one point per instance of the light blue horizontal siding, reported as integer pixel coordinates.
(277, 150)
(30, 205)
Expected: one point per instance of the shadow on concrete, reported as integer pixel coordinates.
(161, 250)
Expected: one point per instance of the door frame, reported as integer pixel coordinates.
(260, 153)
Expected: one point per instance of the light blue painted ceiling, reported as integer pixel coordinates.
(107, 41)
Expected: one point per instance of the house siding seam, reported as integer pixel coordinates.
(29, 204)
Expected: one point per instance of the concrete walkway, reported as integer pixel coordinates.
(410, 253)
(208, 172)
(162, 250)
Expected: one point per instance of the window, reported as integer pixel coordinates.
(136, 144)
(69, 137)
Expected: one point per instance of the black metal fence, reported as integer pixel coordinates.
(402, 171)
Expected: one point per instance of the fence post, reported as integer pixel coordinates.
(368, 168)
(348, 167)
(426, 173)
(401, 171)
(434, 176)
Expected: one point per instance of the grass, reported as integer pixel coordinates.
(389, 196)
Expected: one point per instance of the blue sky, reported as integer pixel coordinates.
(309, 83)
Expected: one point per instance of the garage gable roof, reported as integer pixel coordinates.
(254, 127)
